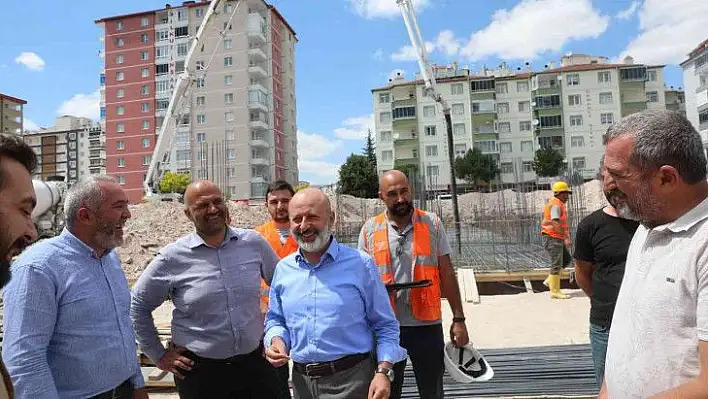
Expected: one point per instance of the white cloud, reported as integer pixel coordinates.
(30, 60)
(311, 148)
(378, 55)
(407, 52)
(628, 12)
(670, 29)
(29, 125)
(534, 27)
(82, 105)
(370, 9)
(355, 128)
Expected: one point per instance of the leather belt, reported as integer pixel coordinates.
(229, 360)
(325, 369)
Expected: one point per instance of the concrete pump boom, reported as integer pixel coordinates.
(431, 91)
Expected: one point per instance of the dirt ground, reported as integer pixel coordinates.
(503, 321)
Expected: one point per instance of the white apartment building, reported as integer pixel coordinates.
(510, 115)
(695, 83)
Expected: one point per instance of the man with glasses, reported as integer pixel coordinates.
(409, 245)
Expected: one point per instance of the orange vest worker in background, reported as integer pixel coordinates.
(554, 229)
(277, 232)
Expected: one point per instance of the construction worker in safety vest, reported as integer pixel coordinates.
(277, 232)
(556, 235)
(410, 245)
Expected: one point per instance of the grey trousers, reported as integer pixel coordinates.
(560, 256)
(352, 383)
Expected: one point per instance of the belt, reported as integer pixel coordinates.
(324, 369)
(229, 360)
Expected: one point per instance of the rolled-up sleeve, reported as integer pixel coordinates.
(149, 292)
(381, 316)
(275, 319)
(30, 313)
(270, 260)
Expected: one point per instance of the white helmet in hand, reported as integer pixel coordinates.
(466, 364)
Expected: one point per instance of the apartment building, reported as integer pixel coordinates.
(73, 148)
(695, 84)
(675, 100)
(236, 127)
(511, 114)
(11, 114)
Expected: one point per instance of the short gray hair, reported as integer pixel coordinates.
(663, 138)
(86, 193)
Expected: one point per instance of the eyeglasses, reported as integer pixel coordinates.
(401, 243)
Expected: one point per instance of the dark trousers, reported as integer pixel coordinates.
(425, 346)
(283, 373)
(122, 391)
(242, 376)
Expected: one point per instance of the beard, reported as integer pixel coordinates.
(280, 217)
(18, 246)
(110, 234)
(211, 225)
(614, 198)
(318, 244)
(645, 207)
(401, 209)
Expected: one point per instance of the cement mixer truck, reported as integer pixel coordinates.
(48, 214)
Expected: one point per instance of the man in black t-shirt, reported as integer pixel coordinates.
(601, 245)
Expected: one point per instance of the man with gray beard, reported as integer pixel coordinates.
(601, 244)
(68, 332)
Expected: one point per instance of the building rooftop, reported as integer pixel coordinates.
(13, 99)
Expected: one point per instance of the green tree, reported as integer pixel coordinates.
(548, 162)
(475, 167)
(173, 182)
(409, 169)
(358, 178)
(370, 150)
(301, 185)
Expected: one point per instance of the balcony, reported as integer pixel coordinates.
(256, 28)
(258, 120)
(484, 107)
(633, 74)
(257, 100)
(488, 146)
(258, 70)
(260, 179)
(96, 145)
(256, 53)
(405, 138)
(259, 140)
(547, 102)
(484, 129)
(259, 159)
(702, 97)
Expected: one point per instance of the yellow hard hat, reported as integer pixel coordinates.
(561, 187)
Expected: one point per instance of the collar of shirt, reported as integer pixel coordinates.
(401, 231)
(329, 256)
(195, 240)
(688, 219)
(70, 240)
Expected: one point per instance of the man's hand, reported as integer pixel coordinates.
(458, 334)
(276, 353)
(140, 393)
(173, 360)
(568, 243)
(380, 387)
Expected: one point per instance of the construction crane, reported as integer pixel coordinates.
(431, 91)
(180, 93)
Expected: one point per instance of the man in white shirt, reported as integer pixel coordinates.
(658, 345)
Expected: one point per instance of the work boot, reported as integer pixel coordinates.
(545, 282)
(554, 285)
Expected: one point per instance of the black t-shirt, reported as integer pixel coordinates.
(604, 241)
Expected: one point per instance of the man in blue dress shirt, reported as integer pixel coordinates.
(329, 312)
(68, 332)
(213, 277)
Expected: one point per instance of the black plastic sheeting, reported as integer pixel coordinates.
(531, 371)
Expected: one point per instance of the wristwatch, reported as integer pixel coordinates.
(385, 371)
(458, 319)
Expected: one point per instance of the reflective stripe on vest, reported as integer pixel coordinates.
(547, 223)
(425, 302)
(272, 235)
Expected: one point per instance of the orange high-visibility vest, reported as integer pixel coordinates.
(425, 302)
(547, 223)
(271, 234)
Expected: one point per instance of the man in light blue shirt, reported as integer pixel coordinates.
(68, 332)
(329, 312)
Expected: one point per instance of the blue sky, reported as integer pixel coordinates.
(348, 47)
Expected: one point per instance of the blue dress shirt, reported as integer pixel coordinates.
(332, 309)
(68, 332)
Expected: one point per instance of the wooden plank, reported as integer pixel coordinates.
(166, 381)
(532, 275)
(466, 280)
(157, 375)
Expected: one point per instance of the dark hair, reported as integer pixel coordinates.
(13, 147)
(279, 185)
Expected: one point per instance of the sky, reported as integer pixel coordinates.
(348, 47)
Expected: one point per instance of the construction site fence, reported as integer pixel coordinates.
(499, 224)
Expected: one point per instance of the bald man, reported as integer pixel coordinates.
(410, 245)
(329, 312)
(213, 278)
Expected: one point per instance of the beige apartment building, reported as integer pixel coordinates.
(11, 114)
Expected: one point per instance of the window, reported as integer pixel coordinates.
(430, 130)
(524, 106)
(432, 170)
(576, 120)
(145, 142)
(527, 166)
(121, 180)
(458, 109)
(119, 25)
(525, 126)
(573, 79)
(201, 137)
(506, 167)
(503, 108)
(522, 87)
(387, 155)
(121, 162)
(120, 128)
(651, 76)
(145, 72)
(201, 83)
(120, 93)
(146, 125)
(579, 163)
(527, 146)
(199, 12)
(230, 134)
(459, 128)
(182, 31)
(505, 147)
(500, 88)
(429, 111)
(228, 98)
(162, 86)
(229, 116)
(460, 150)
(201, 100)
(144, 21)
(384, 98)
(607, 118)
(144, 38)
(385, 137)
(182, 50)
(228, 61)
(606, 98)
(574, 99)
(551, 142)
(145, 107)
(652, 97)
(120, 110)
(146, 159)
(201, 119)
(120, 76)
(120, 145)
(431, 151)
(551, 121)
(577, 141)
(120, 42)
(504, 127)
(161, 51)
(604, 77)
(456, 88)
(228, 80)
(162, 35)
(385, 117)
(119, 59)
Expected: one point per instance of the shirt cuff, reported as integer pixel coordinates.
(137, 379)
(156, 353)
(277, 331)
(390, 353)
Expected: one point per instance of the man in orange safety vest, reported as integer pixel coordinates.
(556, 235)
(277, 232)
(410, 245)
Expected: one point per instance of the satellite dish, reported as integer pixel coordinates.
(535, 122)
(396, 136)
(533, 103)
